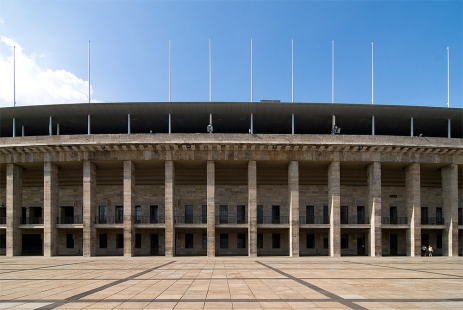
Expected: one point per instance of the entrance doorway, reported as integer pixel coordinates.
(32, 244)
(361, 246)
(154, 244)
(393, 244)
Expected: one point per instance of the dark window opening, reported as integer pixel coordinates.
(260, 241)
(310, 241)
(188, 241)
(119, 241)
(275, 241)
(241, 242)
(224, 241)
(69, 241)
(103, 241)
(138, 241)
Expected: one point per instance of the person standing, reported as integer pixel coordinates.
(430, 250)
(423, 250)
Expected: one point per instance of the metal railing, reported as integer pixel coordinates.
(190, 220)
(69, 220)
(356, 220)
(148, 219)
(303, 219)
(394, 220)
(231, 219)
(432, 221)
(273, 220)
(109, 219)
(30, 220)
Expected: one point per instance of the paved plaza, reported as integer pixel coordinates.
(231, 283)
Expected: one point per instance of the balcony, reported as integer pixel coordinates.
(69, 220)
(31, 220)
(314, 219)
(148, 219)
(432, 221)
(394, 220)
(190, 220)
(355, 220)
(273, 220)
(231, 219)
(109, 220)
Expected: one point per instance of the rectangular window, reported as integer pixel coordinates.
(424, 215)
(119, 241)
(310, 215)
(344, 241)
(138, 241)
(439, 219)
(240, 214)
(204, 214)
(460, 216)
(2, 241)
(119, 214)
(344, 214)
(69, 241)
(154, 214)
(360, 215)
(224, 241)
(325, 243)
(223, 214)
(137, 214)
(103, 241)
(393, 215)
(438, 241)
(188, 241)
(326, 218)
(102, 216)
(275, 241)
(241, 241)
(260, 241)
(204, 241)
(275, 214)
(310, 241)
(189, 214)
(260, 214)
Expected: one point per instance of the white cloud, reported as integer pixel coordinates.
(1, 21)
(36, 85)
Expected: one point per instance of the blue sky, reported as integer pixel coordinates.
(129, 50)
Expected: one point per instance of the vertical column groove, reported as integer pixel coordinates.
(210, 208)
(334, 206)
(252, 208)
(50, 208)
(169, 208)
(13, 209)
(293, 189)
(413, 205)
(89, 208)
(129, 207)
(374, 206)
(450, 209)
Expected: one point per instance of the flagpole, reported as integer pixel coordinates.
(169, 70)
(88, 71)
(448, 77)
(372, 75)
(251, 70)
(14, 76)
(292, 70)
(332, 71)
(210, 70)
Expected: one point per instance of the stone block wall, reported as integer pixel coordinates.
(313, 195)
(232, 242)
(111, 249)
(401, 241)
(231, 195)
(150, 195)
(267, 244)
(268, 195)
(388, 199)
(32, 197)
(319, 236)
(78, 242)
(432, 199)
(197, 250)
(354, 196)
(145, 249)
(189, 195)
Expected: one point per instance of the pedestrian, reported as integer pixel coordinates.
(430, 251)
(423, 250)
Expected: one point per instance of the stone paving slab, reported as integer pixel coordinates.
(231, 283)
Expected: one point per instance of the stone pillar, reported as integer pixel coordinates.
(89, 208)
(252, 208)
(50, 208)
(334, 207)
(169, 206)
(374, 208)
(413, 205)
(129, 208)
(210, 208)
(13, 209)
(293, 189)
(450, 210)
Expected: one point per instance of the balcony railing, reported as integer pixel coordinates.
(395, 220)
(432, 221)
(109, 219)
(231, 219)
(30, 220)
(190, 220)
(273, 220)
(69, 220)
(148, 219)
(314, 219)
(356, 220)
(2, 220)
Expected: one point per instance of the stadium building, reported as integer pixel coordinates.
(241, 178)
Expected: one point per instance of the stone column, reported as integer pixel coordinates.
(450, 209)
(334, 207)
(293, 189)
(210, 208)
(169, 208)
(50, 208)
(129, 208)
(413, 205)
(374, 208)
(13, 209)
(252, 208)
(89, 208)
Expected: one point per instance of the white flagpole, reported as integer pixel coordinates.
(448, 77)
(14, 76)
(332, 71)
(210, 70)
(372, 76)
(251, 70)
(169, 71)
(292, 70)
(88, 71)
